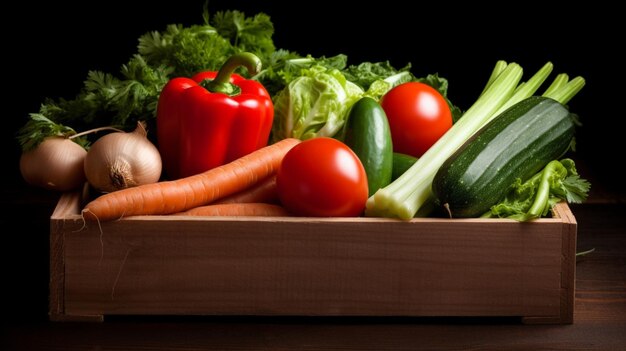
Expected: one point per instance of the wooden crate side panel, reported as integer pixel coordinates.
(57, 271)
(568, 268)
(460, 268)
(568, 263)
(62, 221)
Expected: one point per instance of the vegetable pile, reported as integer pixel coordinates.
(243, 128)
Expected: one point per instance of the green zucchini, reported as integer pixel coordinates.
(369, 136)
(401, 163)
(516, 144)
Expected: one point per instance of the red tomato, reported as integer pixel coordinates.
(322, 177)
(418, 116)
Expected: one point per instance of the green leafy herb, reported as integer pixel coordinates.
(186, 50)
(39, 127)
(252, 34)
(378, 78)
(534, 198)
(366, 73)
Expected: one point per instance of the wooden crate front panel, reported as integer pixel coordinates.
(296, 266)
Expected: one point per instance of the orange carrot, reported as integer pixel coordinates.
(265, 191)
(236, 209)
(197, 190)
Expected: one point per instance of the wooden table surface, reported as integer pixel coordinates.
(599, 318)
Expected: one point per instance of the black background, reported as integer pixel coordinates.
(49, 47)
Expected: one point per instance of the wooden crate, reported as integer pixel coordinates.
(157, 265)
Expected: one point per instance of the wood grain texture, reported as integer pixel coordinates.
(314, 267)
(568, 268)
(68, 206)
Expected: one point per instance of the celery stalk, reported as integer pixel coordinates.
(404, 197)
(538, 207)
(527, 89)
(566, 92)
(497, 69)
(560, 80)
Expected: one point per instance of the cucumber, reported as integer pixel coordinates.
(516, 144)
(369, 136)
(401, 163)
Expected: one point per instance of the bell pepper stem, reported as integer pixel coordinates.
(221, 83)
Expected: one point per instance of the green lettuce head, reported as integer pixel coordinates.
(313, 105)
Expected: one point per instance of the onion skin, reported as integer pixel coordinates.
(121, 160)
(56, 164)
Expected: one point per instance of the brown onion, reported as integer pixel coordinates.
(56, 164)
(122, 160)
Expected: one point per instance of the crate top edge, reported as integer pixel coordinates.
(68, 208)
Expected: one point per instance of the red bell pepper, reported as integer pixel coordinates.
(212, 118)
